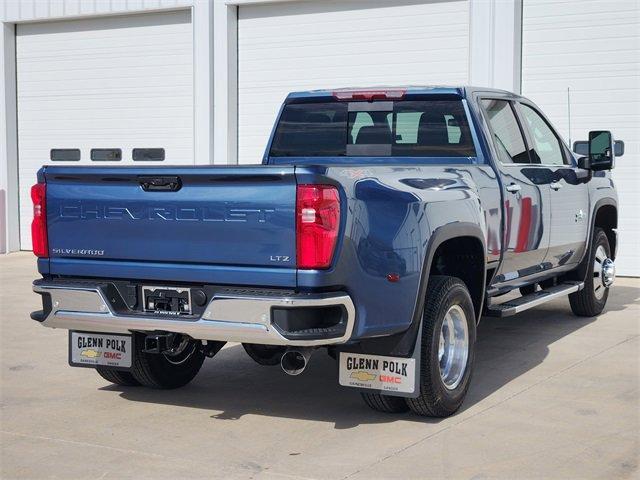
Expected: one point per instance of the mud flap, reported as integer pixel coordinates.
(394, 376)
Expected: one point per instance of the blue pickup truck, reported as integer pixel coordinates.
(381, 225)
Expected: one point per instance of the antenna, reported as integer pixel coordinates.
(569, 113)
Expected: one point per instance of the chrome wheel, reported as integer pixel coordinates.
(453, 348)
(604, 272)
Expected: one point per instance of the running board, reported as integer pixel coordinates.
(526, 302)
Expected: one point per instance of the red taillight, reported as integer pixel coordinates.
(39, 224)
(369, 95)
(317, 224)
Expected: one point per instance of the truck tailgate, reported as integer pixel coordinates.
(183, 216)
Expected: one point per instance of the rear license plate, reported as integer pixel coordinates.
(166, 300)
(375, 372)
(100, 349)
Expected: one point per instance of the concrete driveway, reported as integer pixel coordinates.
(553, 396)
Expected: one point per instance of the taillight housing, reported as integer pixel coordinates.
(39, 225)
(317, 225)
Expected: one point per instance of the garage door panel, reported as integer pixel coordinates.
(577, 58)
(53, 86)
(579, 35)
(97, 69)
(308, 45)
(103, 110)
(114, 82)
(336, 61)
(592, 48)
(105, 101)
(354, 14)
(356, 31)
(67, 52)
(590, 13)
(350, 37)
(94, 40)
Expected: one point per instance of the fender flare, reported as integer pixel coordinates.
(402, 344)
(580, 272)
(439, 236)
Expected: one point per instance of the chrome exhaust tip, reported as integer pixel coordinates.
(295, 360)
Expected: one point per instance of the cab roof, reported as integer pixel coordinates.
(378, 92)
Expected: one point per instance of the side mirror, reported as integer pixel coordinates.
(600, 151)
(583, 148)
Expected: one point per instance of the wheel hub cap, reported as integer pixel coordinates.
(608, 272)
(453, 347)
(604, 272)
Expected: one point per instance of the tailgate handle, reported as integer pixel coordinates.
(160, 184)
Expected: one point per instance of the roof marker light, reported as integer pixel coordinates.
(369, 95)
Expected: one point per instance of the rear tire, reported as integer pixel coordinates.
(162, 371)
(448, 338)
(268, 355)
(385, 403)
(119, 377)
(591, 300)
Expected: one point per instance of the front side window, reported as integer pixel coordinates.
(547, 148)
(506, 131)
(403, 128)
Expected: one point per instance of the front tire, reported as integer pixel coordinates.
(591, 300)
(164, 371)
(448, 338)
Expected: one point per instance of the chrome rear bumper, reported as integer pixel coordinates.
(234, 318)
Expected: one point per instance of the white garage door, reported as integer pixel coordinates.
(109, 83)
(307, 45)
(592, 47)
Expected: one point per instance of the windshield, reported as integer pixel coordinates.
(406, 128)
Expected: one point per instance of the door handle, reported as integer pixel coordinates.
(513, 188)
(555, 185)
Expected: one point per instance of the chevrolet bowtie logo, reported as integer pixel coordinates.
(90, 353)
(363, 376)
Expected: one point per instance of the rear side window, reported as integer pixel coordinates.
(311, 130)
(506, 131)
(436, 128)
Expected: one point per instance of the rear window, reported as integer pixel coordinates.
(436, 128)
